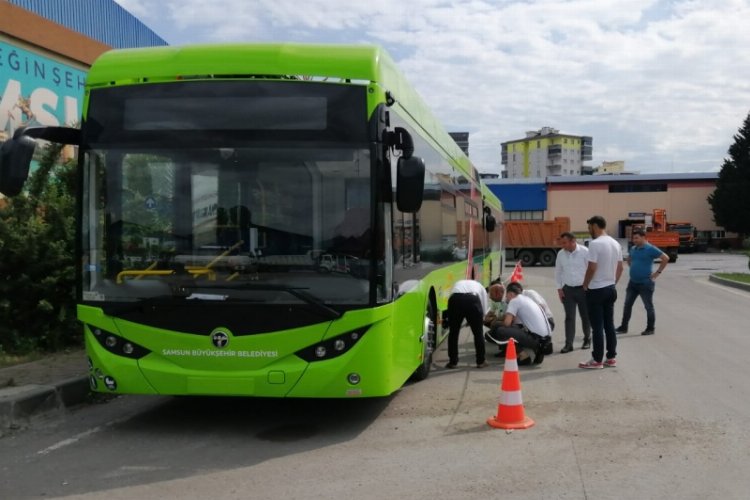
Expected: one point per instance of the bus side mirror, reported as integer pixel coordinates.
(489, 223)
(15, 159)
(410, 183)
(16, 153)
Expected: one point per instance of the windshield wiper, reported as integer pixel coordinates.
(126, 307)
(179, 296)
(298, 292)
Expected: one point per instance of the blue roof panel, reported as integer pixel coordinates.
(522, 196)
(102, 20)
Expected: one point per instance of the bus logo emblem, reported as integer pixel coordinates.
(219, 339)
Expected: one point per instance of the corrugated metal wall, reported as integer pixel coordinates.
(517, 197)
(102, 20)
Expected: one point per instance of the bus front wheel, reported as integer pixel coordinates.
(428, 340)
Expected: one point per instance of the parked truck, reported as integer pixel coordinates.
(657, 233)
(688, 234)
(532, 241)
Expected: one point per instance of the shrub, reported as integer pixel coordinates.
(37, 272)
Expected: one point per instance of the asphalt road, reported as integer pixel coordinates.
(671, 420)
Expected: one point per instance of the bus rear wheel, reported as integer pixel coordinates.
(428, 340)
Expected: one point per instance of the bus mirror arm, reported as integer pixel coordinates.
(16, 153)
(62, 135)
(401, 139)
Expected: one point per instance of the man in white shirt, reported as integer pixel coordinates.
(602, 274)
(524, 321)
(570, 269)
(537, 297)
(468, 300)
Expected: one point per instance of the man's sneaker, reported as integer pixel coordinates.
(566, 349)
(610, 362)
(586, 344)
(648, 331)
(483, 364)
(450, 365)
(591, 364)
(621, 329)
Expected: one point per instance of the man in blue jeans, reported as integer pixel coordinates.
(603, 271)
(641, 259)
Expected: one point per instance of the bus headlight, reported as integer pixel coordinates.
(118, 345)
(333, 347)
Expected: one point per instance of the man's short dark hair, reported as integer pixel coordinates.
(639, 232)
(514, 287)
(568, 235)
(598, 221)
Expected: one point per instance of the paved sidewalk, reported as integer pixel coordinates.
(42, 387)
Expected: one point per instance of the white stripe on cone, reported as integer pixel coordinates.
(511, 365)
(511, 398)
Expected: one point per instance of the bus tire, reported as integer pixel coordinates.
(428, 340)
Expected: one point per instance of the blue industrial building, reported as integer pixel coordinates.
(102, 20)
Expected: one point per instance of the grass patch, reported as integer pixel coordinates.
(741, 277)
(13, 359)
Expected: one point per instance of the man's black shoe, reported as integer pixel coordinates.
(648, 331)
(586, 344)
(547, 346)
(621, 329)
(566, 349)
(539, 354)
(525, 361)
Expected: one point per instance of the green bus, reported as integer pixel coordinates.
(271, 220)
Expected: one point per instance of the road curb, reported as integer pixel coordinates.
(18, 405)
(731, 283)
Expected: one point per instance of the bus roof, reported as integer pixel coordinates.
(365, 64)
(346, 62)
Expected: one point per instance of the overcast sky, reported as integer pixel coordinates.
(663, 85)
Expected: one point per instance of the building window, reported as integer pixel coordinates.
(637, 188)
(525, 215)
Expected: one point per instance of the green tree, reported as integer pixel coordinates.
(37, 272)
(730, 202)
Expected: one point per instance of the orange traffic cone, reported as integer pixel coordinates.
(510, 413)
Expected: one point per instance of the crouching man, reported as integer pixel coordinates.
(524, 321)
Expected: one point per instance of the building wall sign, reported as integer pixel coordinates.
(36, 90)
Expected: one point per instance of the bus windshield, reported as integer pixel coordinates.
(197, 218)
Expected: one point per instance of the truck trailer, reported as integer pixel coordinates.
(532, 241)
